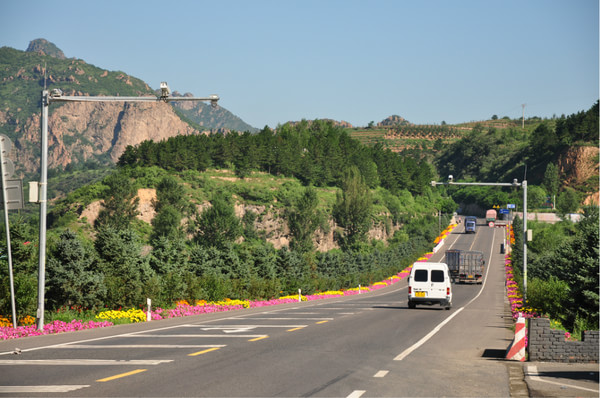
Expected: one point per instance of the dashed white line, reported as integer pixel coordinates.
(356, 394)
(381, 373)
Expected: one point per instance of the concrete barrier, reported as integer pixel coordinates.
(516, 351)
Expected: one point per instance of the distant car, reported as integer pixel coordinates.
(429, 284)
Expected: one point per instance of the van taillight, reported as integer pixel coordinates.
(409, 290)
(447, 291)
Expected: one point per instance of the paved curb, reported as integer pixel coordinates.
(516, 380)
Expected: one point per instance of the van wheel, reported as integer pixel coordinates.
(411, 305)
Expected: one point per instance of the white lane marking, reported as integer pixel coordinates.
(230, 329)
(381, 373)
(533, 374)
(248, 336)
(356, 394)
(42, 389)
(302, 313)
(72, 362)
(100, 346)
(429, 335)
(291, 319)
(244, 326)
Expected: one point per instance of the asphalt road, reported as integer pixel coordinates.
(364, 345)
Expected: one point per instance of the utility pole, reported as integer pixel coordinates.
(523, 123)
(56, 95)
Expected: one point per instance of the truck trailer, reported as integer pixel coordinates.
(465, 265)
(491, 215)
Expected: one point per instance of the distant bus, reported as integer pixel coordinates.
(470, 224)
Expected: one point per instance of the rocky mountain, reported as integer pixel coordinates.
(208, 117)
(393, 120)
(44, 47)
(82, 131)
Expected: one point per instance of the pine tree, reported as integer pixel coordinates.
(120, 202)
(352, 210)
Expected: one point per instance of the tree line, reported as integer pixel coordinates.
(317, 153)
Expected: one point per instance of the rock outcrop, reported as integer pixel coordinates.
(580, 164)
(79, 130)
(44, 47)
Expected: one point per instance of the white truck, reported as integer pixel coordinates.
(465, 265)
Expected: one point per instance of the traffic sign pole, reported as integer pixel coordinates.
(5, 146)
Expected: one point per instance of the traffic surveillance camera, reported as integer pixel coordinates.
(450, 178)
(164, 90)
(56, 93)
(515, 182)
(433, 183)
(213, 100)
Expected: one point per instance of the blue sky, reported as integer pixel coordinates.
(272, 61)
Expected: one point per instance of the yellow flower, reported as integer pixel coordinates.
(293, 297)
(330, 293)
(134, 315)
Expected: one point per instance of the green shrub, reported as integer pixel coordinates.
(548, 296)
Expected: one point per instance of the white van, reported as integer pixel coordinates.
(429, 284)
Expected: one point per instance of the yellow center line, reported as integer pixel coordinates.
(321, 322)
(294, 329)
(203, 351)
(122, 375)
(259, 338)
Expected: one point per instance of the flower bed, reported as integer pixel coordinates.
(7, 333)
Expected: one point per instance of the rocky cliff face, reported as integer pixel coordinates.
(270, 222)
(580, 164)
(79, 131)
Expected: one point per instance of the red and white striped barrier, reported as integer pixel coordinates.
(516, 350)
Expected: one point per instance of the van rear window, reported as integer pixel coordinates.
(421, 275)
(437, 275)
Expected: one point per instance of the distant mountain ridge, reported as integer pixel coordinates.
(208, 117)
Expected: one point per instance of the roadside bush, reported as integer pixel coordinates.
(548, 296)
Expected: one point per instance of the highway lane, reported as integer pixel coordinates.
(337, 347)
